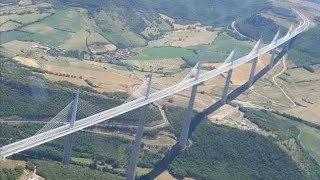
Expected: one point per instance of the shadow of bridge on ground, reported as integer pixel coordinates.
(163, 164)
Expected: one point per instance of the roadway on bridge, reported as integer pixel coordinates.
(108, 114)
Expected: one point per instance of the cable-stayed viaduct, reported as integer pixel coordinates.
(197, 78)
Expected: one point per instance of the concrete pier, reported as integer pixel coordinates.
(69, 141)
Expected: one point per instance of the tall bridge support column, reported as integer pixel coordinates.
(226, 87)
(185, 130)
(230, 60)
(289, 44)
(69, 141)
(134, 156)
(271, 64)
(255, 50)
(273, 51)
(253, 72)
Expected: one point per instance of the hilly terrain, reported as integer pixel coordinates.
(107, 48)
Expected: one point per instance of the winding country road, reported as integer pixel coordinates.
(275, 82)
(233, 26)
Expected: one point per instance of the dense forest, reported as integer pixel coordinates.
(304, 52)
(10, 174)
(284, 129)
(258, 26)
(208, 12)
(56, 171)
(227, 153)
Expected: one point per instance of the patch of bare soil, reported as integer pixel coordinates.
(27, 61)
(165, 176)
(107, 81)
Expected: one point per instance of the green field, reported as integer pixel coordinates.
(57, 37)
(159, 53)
(9, 25)
(219, 50)
(310, 139)
(27, 18)
(115, 28)
(67, 28)
(68, 20)
(86, 161)
(9, 36)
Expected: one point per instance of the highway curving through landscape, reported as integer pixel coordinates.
(116, 111)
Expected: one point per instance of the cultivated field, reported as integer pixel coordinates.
(14, 48)
(40, 33)
(163, 65)
(21, 9)
(158, 53)
(184, 35)
(27, 61)
(8, 26)
(185, 38)
(102, 79)
(96, 38)
(24, 18)
(69, 29)
(77, 41)
(117, 30)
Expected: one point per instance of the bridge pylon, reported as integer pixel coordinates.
(185, 130)
(273, 51)
(229, 60)
(289, 44)
(134, 156)
(254, 63)
(69, 140)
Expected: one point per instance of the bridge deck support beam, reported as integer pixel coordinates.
(134, 156)
(185, 129)
(253, 71)
(69, 141)
(226, 87)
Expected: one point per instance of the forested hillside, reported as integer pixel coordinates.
(208, 12)
(124, 23)
(258, 26)
(56, 171)
(10, 174)
(27, 94)
(304, 52)
(227, 153)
